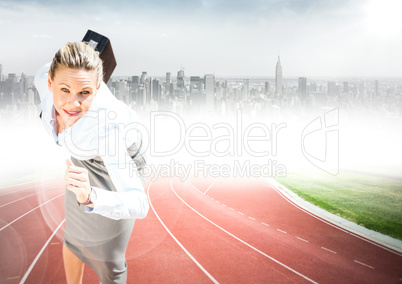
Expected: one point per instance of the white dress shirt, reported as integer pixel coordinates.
(106, 131)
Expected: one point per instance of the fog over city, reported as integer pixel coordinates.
(257, 88)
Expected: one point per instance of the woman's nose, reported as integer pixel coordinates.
(75, 101)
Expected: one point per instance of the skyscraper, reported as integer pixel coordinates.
(143, 77)
(24, 84)
(302, 87)
(135, 83)
(195, 84)
(209, 80)
(1, 72)
(180, 79)
(150, 89)
(168, 79)
(278, 77)
(156, 90)
(168, 84)
(267, 88)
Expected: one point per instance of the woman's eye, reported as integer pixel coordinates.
(64, 90)
(85, 92)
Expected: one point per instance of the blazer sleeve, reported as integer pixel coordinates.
(130, 200)
(40, 81)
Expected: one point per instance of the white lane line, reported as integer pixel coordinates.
(361, 263)
(231, 208)
(241, 213)
(217, 201)
(29, 185)
(17, 200)
(265, 224)
(40, 253)
(210, 187)
(240, 240)
(281, 231)
(324, 248)
(223, 204)
(30, 211)
(251, 218)
(177, 241)
(302, 239)
(204, 193)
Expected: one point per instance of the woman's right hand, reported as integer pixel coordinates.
(77, 181)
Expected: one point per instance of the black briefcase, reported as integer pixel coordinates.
(102, 44)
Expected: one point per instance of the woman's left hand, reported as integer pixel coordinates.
(77, 181)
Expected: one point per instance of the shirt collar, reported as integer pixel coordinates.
(53, 114)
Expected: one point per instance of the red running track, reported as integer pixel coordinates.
(198, 231)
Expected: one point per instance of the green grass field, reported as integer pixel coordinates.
(371, 201)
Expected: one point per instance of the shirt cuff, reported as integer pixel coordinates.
(88, 209)
(103, 202)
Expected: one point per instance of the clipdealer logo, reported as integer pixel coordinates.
(324, 133)
(249, 146)
(200, 140)
(233, 149)
(220, 139)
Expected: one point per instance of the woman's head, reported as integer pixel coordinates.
(77, 55)
(74, 79)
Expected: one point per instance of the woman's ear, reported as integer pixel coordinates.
(49, 82)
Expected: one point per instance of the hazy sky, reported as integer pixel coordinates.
(225, 37)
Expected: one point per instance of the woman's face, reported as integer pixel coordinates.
(73, 92)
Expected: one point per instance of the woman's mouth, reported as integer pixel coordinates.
(72, 113)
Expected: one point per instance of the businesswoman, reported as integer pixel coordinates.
(104, 187)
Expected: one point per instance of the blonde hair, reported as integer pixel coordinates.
(77, 55)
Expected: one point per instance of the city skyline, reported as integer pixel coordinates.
(222, 96)
(314, 38)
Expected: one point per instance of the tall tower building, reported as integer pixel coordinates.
(168, 79)
(302, 87)
(278, 77)
(267, 88)
(134, 87)
(143, 77)
(209, 80)
(150, 89)
(1, 72)
(24, 84)
(180, 79)
(195, 84)
(135, 80)
(168, 83)
(156, 90)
